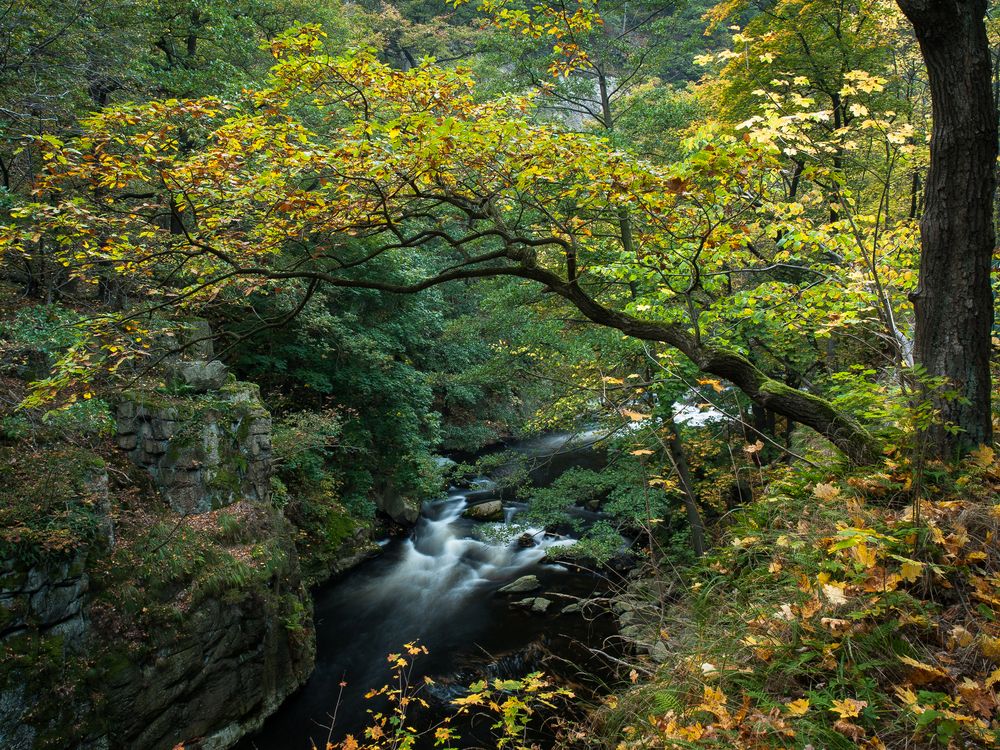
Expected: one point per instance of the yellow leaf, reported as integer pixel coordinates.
(716, 385)
(983, 456)
(798, 708)
(923, 674)
(635, 416)
(826, 491)
(911, 570)
(960, 637)
(848, 708)
(865, 555)
(714, 701)
(990, 648)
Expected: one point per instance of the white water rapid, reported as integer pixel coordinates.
(450, 557)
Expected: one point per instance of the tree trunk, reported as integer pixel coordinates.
(953, 301)
(690, 498)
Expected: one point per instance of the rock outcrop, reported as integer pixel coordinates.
(538, 605)
(226, 669)
(522, 585)
(203, 452)
(55, 513)
(400, 509)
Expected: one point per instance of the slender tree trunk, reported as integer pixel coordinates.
(679, 460)
(953, 301)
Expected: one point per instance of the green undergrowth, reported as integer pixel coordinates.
(50, 502)
(326, 531)
(164, 569)
(829, 615)
(329, 526)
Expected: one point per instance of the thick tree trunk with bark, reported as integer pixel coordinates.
(953, 301)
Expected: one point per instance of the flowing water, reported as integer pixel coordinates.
(438, 587)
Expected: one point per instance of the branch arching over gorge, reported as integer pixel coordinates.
(199, 195)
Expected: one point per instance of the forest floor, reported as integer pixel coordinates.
(836, 611)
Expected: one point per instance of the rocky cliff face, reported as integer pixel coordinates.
(216, 678)
(188, 621)
(56, 518)
(47, 594)
(237, 655)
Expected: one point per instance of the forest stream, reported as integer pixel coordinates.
(439, 586)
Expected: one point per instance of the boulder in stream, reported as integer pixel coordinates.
(491, 510)
(522, 585)
(537, 604)
(400, 509)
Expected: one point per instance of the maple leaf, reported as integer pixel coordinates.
(848, 708)
(979, 699)
(990, 648)
(911, 570)
(826, 491)
(714, 701)
(983, 456)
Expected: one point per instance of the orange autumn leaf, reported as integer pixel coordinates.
(923, 674)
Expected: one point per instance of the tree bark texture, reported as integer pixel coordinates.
(953, 302)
